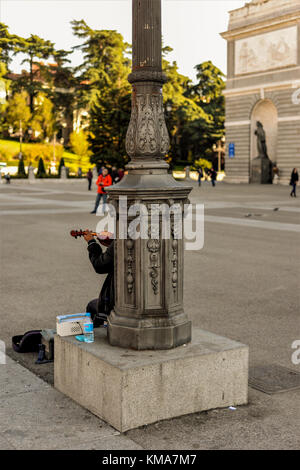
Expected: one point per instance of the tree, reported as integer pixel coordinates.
(105, 90)
(43, 120)
(202, 163)
(104, 61)
(18, 112)
(5, 44)
(208, 95)
(181, 111)
(63, 87)
(35, 48)
(21, 168)
(41, 173)
(8, 43)
(4, 85)
(79, 143)
(109, 120)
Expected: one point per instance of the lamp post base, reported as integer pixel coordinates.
(160, 337)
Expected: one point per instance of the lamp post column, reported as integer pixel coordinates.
(20, 139)
(148, 312)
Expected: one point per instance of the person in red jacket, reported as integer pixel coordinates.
(102, 182)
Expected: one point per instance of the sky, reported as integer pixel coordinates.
(190, 27)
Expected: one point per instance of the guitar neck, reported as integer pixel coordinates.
(105, 238)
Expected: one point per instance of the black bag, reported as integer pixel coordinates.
(29, 342)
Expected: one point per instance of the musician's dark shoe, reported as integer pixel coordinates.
(93, 212)
(99, 319)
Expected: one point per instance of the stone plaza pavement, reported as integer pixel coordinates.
(244, 284)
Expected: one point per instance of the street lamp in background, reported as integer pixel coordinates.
(223, 141)
(219, 149)
(54, 144)
(54, 141)
(20, 138)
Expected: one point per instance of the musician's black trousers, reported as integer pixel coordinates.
(98, 318)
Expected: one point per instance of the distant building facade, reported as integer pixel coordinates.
(263, 84)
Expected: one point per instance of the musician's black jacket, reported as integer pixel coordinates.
(103, 263)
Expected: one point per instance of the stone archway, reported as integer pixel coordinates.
(266, 112)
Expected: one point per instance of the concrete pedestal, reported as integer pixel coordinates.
(63, 173)
(129, 388)
(261, 171)
(31, 175)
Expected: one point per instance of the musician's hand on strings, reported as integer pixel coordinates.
(105, 238)
(88, 235)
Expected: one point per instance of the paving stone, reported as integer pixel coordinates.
(5, 444)
(15, 379)
(108, 443)
(46, 419)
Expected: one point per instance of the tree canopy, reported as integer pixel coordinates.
(106, 91)
(33, 48)
(18, 112)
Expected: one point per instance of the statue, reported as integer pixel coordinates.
(261, 168)
(261, 140)
(31, 176)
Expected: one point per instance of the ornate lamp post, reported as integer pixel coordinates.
(20, 139)
(220, 149)
(148, 311)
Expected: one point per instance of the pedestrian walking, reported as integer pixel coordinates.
(275, 176)
(200, 175)
(213, 176)
(294, 181)
(7, 177)
(89, 176)
(104, 180)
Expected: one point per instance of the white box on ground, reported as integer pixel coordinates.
(129, 388)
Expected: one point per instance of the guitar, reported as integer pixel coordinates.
(105, 238)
